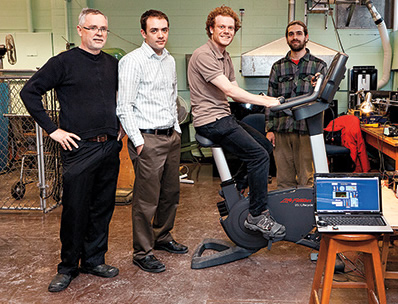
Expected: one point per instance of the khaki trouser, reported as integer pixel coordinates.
(293, 158)
(156, 191)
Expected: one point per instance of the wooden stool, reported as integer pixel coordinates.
(331, 244)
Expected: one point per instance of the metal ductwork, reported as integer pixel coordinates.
(385, 40)
(259, 61)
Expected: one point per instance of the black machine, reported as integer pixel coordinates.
(293, 208)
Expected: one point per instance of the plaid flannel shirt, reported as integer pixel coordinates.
(288, 79)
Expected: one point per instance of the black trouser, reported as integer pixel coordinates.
(89, 186)
(250, 146)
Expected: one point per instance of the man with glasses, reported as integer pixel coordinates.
(293, 76)
(211, 80)
(85, 80)
(147, 109)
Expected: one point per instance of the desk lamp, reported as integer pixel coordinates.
(367, 106)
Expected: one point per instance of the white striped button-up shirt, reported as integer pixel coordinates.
(147, 92)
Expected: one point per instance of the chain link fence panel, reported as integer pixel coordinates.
(30, 169)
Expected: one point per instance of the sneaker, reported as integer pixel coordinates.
(266, 224)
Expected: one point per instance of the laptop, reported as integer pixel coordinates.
(349, 202)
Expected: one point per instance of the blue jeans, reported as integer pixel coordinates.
(251, 147)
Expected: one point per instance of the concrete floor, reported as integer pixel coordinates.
(30, 248)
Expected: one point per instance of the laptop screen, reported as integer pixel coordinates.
(342, 194)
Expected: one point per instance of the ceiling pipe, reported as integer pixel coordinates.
(67, 21)
(395, 16)
(292, 10)
(29, 13)
(385, 40)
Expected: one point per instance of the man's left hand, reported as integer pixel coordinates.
(121, 133)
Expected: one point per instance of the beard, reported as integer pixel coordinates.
(297, 47)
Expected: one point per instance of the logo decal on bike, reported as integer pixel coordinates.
(295, 200)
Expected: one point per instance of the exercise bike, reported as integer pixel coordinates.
(294, 207)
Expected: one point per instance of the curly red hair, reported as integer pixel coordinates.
(223, 11)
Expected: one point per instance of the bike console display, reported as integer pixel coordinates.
(333, 77)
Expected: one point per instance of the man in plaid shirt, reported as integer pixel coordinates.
(292, 76)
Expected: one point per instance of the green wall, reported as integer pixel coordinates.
(263, 22)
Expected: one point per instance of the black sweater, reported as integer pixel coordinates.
(86, 87)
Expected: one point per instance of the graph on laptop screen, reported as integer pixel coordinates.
(347, 194)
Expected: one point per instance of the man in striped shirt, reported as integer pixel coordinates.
(147, 110)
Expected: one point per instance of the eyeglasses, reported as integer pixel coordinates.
(164, 30)
(96, 29)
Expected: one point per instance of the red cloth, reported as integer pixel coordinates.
(351, 138)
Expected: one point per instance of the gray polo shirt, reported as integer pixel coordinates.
(207, 101)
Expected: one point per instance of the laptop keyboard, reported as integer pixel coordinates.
(353, 220)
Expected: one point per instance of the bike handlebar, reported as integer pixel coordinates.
(299, 100)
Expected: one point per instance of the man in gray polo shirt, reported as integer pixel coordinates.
(212, 79)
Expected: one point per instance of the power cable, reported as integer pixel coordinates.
(336, 31)
(318, 2)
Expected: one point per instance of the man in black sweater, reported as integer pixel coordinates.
(85, 80)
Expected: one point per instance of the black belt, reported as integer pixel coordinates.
(100, 138)
(167, 132)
